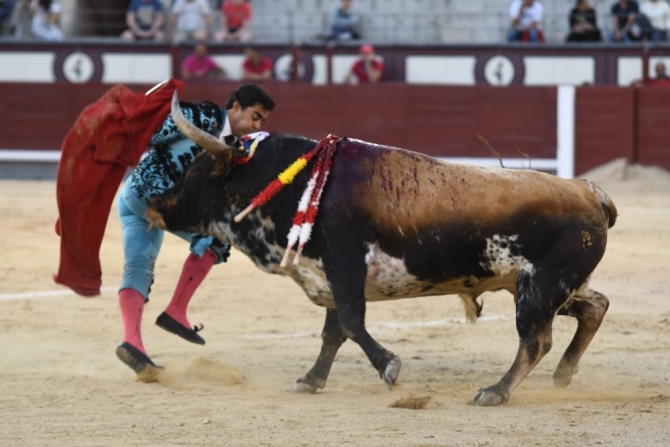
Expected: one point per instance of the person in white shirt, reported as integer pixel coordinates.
(658, 13)
(45, 21)
(526, 20)
(190, 20)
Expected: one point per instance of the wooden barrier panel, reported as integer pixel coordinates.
(653, 127)
(610, 122)
(440, 121)
(604, 126)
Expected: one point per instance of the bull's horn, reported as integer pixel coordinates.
(213, 145)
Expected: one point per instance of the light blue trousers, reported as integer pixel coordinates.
(142, 242)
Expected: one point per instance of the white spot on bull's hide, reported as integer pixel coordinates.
(369, 254)
(499, 257)
(388, 277)
(402, 233)
(311, 278)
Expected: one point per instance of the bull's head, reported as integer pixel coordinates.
(196, 189)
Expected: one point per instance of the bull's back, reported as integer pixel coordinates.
(444, 221)
(406, 192)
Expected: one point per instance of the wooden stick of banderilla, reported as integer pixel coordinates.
(244, 213)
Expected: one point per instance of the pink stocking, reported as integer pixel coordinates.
(193, 273)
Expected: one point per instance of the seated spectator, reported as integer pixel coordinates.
(624, 15)
(199, 66)
(20, 22)
(661, 79)
(256, 67)
(6, 7)
(345, 24)
(144, 19)
(235, 20)
(366, 70)
(657, 13)
(583, 26)
(526, 21)
(191, 20)
(45, 21)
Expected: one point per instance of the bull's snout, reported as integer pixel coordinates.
(156, 218)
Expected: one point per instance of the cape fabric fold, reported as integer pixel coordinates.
(108, 136)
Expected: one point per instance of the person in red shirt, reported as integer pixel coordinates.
(199, 65)
(368, 69)
(256, 67)
(235, 19)
(661, 79)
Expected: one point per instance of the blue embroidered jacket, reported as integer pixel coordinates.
(171, 155)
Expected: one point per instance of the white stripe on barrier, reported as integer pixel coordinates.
(380, 326)
(30, 156)
(548, 164)
(565, 131)
(29, 295)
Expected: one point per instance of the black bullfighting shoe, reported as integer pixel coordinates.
(171, 325)
(146, 370)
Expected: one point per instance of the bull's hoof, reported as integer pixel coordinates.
(563, 375)
(300, 386)
(489, 397)
(391, 373)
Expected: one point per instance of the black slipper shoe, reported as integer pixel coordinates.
(171, 325)
(146, 370)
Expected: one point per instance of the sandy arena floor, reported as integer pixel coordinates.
(61, 384)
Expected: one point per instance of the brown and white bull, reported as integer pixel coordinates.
(398, 224)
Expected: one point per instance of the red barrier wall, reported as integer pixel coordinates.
(652, 139)
(441, 121)
(604, 126)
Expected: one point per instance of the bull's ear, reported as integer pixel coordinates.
(224, 163)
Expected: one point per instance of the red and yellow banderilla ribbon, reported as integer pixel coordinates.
(283, 179)
(308, 206)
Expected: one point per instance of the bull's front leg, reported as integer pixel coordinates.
(346, 275)
(332, 338)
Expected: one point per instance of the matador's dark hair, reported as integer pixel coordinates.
(250, 95)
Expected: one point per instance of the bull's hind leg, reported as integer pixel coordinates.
(332, 338)
(589, 308)
(538, 299)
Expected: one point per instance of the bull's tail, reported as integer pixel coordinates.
(473, 309)
(608, 206)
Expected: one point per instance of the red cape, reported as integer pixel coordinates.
(109, 136)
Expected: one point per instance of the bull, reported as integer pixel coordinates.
(398, 224)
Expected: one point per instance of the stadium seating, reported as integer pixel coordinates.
(411, 21)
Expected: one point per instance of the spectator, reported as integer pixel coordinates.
(21, 19)
(658, 14)
(45, 21)
(199, 66)
(256, 67)
(624, 14)
(661, 79)
(366, 70)
(144, 19)
(190, 20)
(526, 21)
(235, 20)
(345, 24)
(583, 27)
(6, 7)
